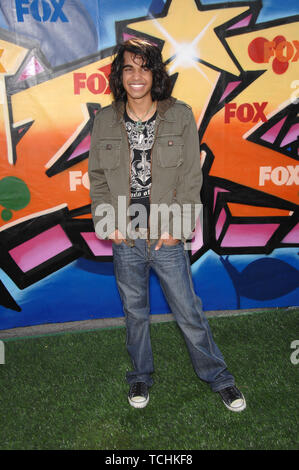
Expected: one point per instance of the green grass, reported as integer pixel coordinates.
(68, 391)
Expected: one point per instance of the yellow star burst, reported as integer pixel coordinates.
(189, 37)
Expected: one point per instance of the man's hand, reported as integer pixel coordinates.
(116, 237)
(166, 239)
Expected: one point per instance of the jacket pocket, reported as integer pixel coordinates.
(109, 152)
(170, 151)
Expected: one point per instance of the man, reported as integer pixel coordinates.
(145, 154)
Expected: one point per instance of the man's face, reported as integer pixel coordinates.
(137, 79)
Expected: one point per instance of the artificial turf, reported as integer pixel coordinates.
(68, 391)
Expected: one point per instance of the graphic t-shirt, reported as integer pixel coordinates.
(141, 179)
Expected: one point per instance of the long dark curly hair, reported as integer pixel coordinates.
(152, 59)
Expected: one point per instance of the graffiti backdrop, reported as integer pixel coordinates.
(235, 63)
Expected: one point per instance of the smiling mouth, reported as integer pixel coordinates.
(136, 85)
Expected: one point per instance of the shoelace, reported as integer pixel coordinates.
(230, 393)
(138, 389)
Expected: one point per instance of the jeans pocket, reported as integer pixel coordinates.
(123, 242)
(171, 246)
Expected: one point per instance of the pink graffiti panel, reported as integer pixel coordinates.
(97, 246)
(248, 234)
(272, 133)
(40, 248)
(292, 236)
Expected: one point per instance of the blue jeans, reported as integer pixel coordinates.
(172, 266)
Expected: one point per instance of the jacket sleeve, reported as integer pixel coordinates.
(99, 190)
(189, 183)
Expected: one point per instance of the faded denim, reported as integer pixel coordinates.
(172, 266)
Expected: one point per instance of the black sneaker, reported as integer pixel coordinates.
(138, 395)
(233, 398)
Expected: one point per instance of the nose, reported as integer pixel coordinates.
(137, 74)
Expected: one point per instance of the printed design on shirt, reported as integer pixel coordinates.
(140, 144)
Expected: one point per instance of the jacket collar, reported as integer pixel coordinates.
(162, 107)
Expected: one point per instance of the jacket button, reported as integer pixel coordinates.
(108, 147)
(170, 143)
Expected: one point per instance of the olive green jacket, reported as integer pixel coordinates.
(175, 169)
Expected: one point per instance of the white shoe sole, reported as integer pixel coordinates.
(139, 404)
(237, 408)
